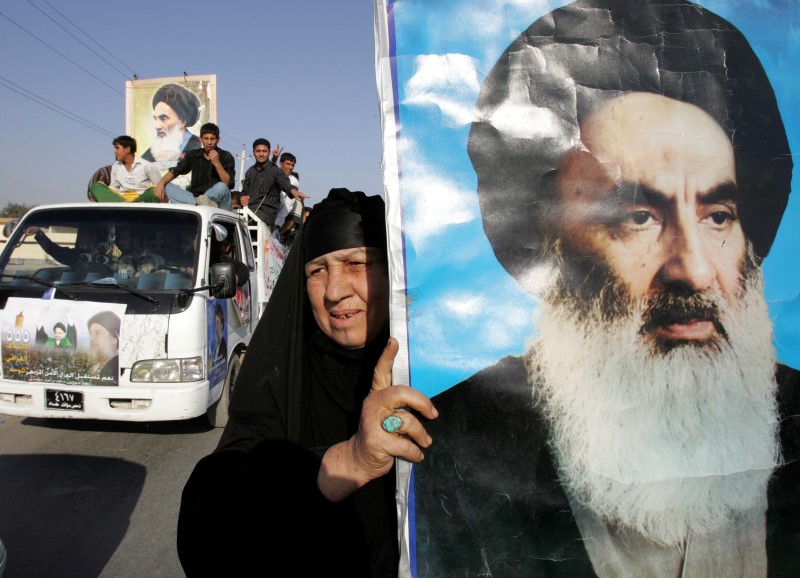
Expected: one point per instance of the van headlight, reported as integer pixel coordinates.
(167, 370)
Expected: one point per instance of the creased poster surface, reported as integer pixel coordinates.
(592, 230)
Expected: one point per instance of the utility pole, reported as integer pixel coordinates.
(243, 157)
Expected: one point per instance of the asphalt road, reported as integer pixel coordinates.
(82, 498)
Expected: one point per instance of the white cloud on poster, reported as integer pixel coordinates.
(451, 81)
(446, 81)
(433, 201)
(498, 325)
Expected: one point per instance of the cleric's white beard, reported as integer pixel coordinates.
(665, 443)
(167, 147)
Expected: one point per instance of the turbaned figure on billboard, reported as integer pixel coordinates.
(164, 115)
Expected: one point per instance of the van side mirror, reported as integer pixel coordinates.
(8, 228)
(224, 275)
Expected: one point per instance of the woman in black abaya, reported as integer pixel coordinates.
(303, 477)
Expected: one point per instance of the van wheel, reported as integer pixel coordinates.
(217, 414)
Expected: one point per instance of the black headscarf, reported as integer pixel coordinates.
(295, 383)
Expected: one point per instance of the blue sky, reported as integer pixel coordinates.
(300, 73)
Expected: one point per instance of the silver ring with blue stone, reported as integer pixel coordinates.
(392, 423)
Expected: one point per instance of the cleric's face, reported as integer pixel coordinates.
(219, 324)
(166, 120)
(102, 341)
(652, 200)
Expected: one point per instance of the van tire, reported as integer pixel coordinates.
(217, 414)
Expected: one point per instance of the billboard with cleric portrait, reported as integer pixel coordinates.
(592, 251)
(164, 115)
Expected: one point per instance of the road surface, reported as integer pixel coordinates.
(84, 498)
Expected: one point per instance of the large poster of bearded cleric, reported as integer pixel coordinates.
(164, 115)
(593, 235)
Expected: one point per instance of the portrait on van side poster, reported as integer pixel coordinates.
(593, 246)
(217, 316)
(57, 341)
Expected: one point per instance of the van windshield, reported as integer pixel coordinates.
(143, 249)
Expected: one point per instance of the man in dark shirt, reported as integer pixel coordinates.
(263, 183)
(212, 174)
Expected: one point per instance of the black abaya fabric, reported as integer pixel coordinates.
(253, 506)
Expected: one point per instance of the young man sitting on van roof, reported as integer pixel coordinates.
(132, 178)
(212, 171)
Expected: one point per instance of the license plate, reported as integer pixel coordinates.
(66, 400)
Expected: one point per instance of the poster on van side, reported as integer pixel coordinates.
(217, 315)
(55, 341)
(593, 253)
(242, 304)
(275, 253)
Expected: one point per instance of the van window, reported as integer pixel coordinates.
(138, 248)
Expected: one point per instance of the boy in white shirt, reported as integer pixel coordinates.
(291, 210)
(132, 177)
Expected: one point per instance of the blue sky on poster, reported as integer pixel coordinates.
(300, 73)
(465, 312)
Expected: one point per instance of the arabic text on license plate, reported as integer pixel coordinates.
(66, 400)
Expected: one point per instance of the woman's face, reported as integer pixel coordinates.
(349, 294)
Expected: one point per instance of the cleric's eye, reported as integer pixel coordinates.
(640, 217)
(722, 217)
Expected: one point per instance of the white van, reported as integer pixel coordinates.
(126, 311)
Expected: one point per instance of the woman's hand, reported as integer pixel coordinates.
(370, 453)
